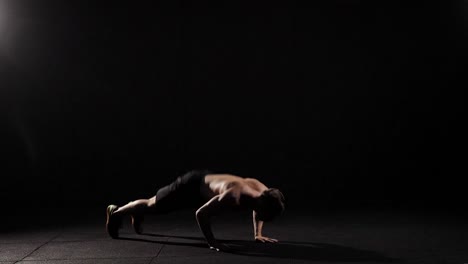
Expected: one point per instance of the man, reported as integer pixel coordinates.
(214, 192)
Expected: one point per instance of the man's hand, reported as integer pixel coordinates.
(258, 226)
(215, 245)
(264, 239)
(203, 215)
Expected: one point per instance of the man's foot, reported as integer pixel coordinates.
(137, 220)
(113, 222)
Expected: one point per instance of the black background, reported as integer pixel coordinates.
(342, 102)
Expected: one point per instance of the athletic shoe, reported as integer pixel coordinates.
(113, 222)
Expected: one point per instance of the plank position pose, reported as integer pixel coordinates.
(214, 192)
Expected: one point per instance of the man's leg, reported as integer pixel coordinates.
(135, 209)
(180, 193)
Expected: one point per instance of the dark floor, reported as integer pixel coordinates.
(333, 236)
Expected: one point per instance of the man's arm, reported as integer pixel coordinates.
(205, 212)
(258, 226)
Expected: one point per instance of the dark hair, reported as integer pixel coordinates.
(272, 203)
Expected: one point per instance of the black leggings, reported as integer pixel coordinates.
(182, 193)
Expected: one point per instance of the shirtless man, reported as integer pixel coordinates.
(213, 192)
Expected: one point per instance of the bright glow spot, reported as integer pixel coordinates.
(6, 26)
(3, 22)
(2, 17)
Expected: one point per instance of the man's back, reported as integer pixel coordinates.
(216, 184)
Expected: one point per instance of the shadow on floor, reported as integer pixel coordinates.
(306, 251)
(285, 249)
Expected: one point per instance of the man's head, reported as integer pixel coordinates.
(270, 204)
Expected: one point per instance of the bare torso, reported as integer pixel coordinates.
(216, 184)
(225, 191)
